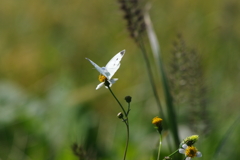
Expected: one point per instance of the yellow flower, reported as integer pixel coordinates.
(158, 123)
(190, 152)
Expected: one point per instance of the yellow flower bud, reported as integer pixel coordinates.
(190, 140)
(158, 123)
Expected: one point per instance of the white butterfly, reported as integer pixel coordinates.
(109, 70)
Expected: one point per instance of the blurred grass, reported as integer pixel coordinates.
(47, 88)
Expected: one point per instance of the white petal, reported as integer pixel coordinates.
(100, 85)
(112, 81)
(181, 151)
(199, 154)
(184, 146)
(188, 158)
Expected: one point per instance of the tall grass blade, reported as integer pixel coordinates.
(225, 137)
(152, 38)
(172, 119)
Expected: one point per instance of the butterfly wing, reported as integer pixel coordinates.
(113, 65)
(102, 70)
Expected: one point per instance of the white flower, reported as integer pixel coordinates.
(189, 151)
(109, 70)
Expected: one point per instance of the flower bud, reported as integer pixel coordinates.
(120, 115)
(158, 123)
(128, 99)
(190, 140)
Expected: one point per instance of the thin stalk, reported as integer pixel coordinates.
(125, 113)
(127, 125)
(172, 154)
(128, 109)
(125, 121)
(160, 146)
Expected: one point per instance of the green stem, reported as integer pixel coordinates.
(125, 113)
(128, 109)
(127, 125)
(159, 147)
(125, 121)
(172, 153)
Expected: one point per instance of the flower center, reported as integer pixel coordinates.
(191, 151)
(102, 78)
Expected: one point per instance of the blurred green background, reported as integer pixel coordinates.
(48, 99)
